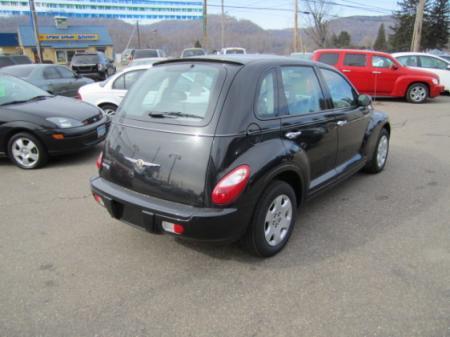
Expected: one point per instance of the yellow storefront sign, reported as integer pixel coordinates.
(68, 37)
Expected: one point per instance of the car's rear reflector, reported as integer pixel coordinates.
(172, 227)
(99, 199)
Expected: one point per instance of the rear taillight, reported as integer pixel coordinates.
(231, 186)
(78, 96)
(99, 160)
(99, 199)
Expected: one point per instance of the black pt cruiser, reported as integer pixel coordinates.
(222, 149)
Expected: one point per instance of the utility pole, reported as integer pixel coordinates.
(297, 44)
(222, 27)
(205, 24)
(138, 34)
(417, 34)
(36, 30)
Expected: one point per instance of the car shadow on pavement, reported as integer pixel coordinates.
(352, 214)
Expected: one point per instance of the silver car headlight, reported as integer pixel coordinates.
(64, 122)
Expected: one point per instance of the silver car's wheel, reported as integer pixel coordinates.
(25, 152)
(382, 150)
(109, 109)
(278, 220)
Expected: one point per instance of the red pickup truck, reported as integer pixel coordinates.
(379, 74)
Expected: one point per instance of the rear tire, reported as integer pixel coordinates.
(26, 151)
(273, 221)
(417, 93)
(380, 154)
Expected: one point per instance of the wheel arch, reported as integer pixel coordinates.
(18, 129)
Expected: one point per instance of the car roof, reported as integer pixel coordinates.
(418, 54)
(139, 67)
(355, 51)
(241, 59)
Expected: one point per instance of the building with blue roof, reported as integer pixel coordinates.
(8, 43)
(60, 42)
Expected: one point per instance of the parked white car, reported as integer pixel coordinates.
(428, 62)
(109, 94)
(233, 50)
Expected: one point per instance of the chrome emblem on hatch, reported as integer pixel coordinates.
(140, 164)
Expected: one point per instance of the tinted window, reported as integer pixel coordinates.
(342, 94)
(409, 61)
(5, 61)
(381, 62)
(302, 90)
(65, 73)
(125, 81)
(193, 52)
(329, 58)
(20, 71)
(235, 51)
(185, 89)
(265, 102)
(355, 60)
(431, 62)
(50, 73)
(86, 59)
(145, 53)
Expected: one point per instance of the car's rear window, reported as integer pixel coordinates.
(329, 58)
(193, 52)
(86, 59)
(180, 94)
(145, 53)
(19, 71)
(355, 60)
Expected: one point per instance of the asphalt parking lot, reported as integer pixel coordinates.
(369, 258)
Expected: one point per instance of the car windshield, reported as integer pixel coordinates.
(144, 61)
(19, 71)
(14, 90)
(138, 54)
(235, 51)
(173, 93)
(86, 59)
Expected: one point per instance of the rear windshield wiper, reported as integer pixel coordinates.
(35, 98)
(172, 114)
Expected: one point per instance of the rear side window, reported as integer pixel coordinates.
(177, 94)
(355, 60)
(125, 81)
(342, 93)
(51, 73)
(431, 62)
(265, 102)
(302, 90)
(65, 73)
(329, 58)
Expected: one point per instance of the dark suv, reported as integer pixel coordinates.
(226, 148)
(93, 65)
(11, 60)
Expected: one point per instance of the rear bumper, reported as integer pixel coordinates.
(203, 224)
(436, 90)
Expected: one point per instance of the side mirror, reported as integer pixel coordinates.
(364, 100)
(394, 67)
(448, 67)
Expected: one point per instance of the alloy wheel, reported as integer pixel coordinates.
(25, 152)
(278, 220)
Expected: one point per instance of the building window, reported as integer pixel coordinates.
(61, 56)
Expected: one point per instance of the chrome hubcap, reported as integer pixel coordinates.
(25, 152)
(278, 220)
(418, 94)
(382, 150)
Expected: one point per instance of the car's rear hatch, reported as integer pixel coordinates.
(151, 148)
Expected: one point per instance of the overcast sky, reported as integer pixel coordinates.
(272, 18)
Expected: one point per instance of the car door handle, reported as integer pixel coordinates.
(293, 135)
(346, 71)
(376, 72)
(341, 123)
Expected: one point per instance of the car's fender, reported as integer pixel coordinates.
(378, 121)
